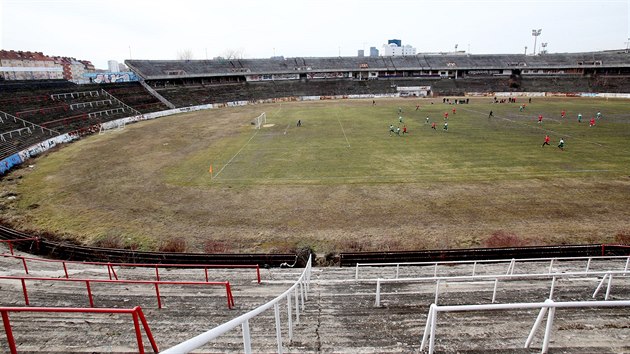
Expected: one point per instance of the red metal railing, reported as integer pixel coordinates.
(10, 242)
(112, 272)
(156, 283)
(135, 312)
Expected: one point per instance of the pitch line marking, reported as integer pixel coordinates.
(239, 151)
(342, 130)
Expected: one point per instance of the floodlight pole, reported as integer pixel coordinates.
(525, 50)
(536, 33)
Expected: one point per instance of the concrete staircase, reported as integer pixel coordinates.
(339, 316)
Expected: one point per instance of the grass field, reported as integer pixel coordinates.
(340, 181)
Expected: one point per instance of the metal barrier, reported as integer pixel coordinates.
(10, 242)
(112, 272)
(228, 290)
(351, 259)
(303, 283)
(68, 251)
(474, 263)
(548, 305)
(495, 279)
(136, 313)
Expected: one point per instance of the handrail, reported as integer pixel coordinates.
(136, 313)
(112, 272)
(303, 283)
(133, 110)
(429, 331)
(228, 289)
(10, 242)
(25, 122)
(495, 278)
(494, 261)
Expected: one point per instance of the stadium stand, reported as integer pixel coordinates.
(337, 315)
(174, 69)
(182, 304)
(195, 82)
(65, 108)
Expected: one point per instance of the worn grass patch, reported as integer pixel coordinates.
(339, 182)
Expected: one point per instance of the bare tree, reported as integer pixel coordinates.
(233, 53)
(185, 54)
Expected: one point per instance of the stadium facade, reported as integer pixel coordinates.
(421, 66)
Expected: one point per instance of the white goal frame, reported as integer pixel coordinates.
(112, 126)
(260, 120)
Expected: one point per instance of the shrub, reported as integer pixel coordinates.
(623, 237)
(175, 244)
(108, 241)
(504, 239)
(353, 245)
(212, 246)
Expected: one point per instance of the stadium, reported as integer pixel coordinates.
(281, 162)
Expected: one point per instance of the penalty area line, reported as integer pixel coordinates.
(233, 157)
(342, 130)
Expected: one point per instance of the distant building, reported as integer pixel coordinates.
(88, 65)
(361, 53)
(394, 50)
(73, 70)
(112, 65)
(373, 52)
(19, 65)
(397, 42)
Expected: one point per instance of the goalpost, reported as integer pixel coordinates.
(112, 126)
(260, 120)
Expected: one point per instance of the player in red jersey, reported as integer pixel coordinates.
(546, 141)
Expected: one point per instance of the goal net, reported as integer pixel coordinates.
(260, 120)
(112, 126)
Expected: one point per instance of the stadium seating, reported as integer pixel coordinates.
(42, 104)
(186, 309)
(338, 316)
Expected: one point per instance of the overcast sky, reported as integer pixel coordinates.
(100, 30)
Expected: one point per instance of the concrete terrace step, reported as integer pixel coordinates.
(339, 316)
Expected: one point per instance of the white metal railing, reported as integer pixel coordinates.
(57, 96)
(300, 288)
(548, 305)
(510, 266)
(111, 97)
(106, 112)
(91, 104)
(25, 123)
(495, 279)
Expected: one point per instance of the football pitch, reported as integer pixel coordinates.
(349, 142)
(341, 181)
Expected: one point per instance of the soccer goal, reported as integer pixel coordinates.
(112, 126)
(260, 120)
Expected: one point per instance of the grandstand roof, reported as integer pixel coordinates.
(165, 69)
